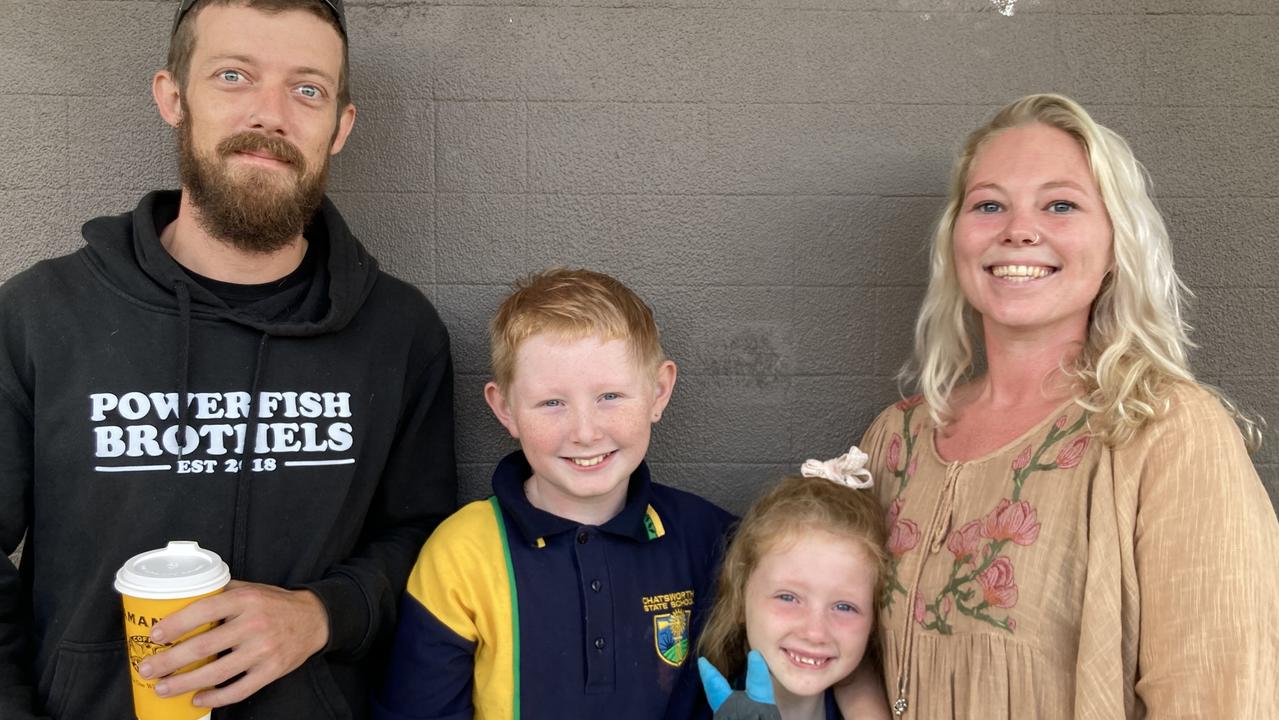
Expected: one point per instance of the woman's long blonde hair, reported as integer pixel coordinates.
(795, 506)
(1136, 347)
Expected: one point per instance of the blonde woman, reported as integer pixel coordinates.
(1075, 526)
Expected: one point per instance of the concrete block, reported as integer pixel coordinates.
(35, 138)
(744, 332)
(785, 56)
(575, 231)
(391, 148)
(36, 225)
(1201, 151)
(722, 419)
(836, 149)
(700, 240)
(896, 309)
(481, 238)
(392, 51)
(969, 58)
(1237, 330)
(101, 49)
(634, 148)
(623, 54)
(1224, 242)
(732, 486)
(863, 240)
(478, 53)
(397, 228)
(1224, 60)
(831, 413)
(474, 481)
(836, 332)
(135, 150)
(480, 437)
(482, 147)
(467, 310)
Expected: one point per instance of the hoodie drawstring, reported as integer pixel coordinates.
(240, 526)
(184, 359)
(241, 523)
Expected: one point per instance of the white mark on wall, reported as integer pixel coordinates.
(1005, 7)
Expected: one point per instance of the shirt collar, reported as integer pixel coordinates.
(637, 520)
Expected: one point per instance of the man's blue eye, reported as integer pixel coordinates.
(230, 75)
(310, 91)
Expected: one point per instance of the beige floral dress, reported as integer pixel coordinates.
(1060, 578)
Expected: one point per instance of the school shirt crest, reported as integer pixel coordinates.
(670, 636)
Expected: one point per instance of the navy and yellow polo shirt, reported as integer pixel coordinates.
(512, 612)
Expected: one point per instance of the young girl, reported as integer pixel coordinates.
(799, 585)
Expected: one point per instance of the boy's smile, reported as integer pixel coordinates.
(583, 412)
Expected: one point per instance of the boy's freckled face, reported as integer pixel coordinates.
(583, 412)
(810, 611)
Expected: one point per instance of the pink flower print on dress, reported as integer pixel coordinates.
(910, 402)
(964, 542)
(910, 469)
(894, 509)
(946, 605)
(902, 537)
(998, 587)
(1070, 455)
(919, 609)
(1016, 521)
(1061, 423)
(894, 454)
(1022, 460)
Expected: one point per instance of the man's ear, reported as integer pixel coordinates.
(346, 121)
(168, 97)
(663, 387)
(501, 410)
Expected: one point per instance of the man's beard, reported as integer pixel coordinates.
(249, 209)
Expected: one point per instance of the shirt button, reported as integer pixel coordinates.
(582, 537)
(599, 643)
(596, 585)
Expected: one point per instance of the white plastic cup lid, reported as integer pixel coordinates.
(180, 569)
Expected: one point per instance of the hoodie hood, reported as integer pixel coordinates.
(125, 252)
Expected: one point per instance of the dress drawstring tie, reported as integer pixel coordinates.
(934, 538)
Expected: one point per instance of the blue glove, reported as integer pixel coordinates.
(729, 704)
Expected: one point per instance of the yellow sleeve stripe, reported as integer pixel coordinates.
(463, 577)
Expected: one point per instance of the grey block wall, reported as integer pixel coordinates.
(765, 172)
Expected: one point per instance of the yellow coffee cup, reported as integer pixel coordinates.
(154, 584)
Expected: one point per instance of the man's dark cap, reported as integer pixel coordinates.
(335, 6)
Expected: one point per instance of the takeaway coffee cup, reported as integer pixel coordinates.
(153, 585)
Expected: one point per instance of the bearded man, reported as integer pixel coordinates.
(224, 364)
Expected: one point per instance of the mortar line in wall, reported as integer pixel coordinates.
(886, 196)
(400, 4)
(694, 373)
(743, 195)
(710, 103)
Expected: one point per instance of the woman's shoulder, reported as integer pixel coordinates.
(1189, 408)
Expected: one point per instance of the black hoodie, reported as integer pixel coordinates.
(314, 450)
